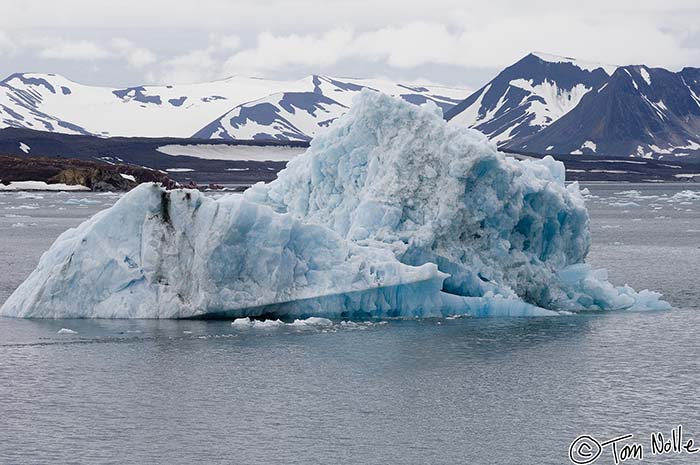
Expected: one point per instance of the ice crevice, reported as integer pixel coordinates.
(390, 213)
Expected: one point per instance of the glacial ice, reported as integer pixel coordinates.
(390, 213)
(311, 322)
(66, 331)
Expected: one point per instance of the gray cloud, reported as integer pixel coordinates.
(455, 42)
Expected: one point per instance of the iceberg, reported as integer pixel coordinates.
(391, 212)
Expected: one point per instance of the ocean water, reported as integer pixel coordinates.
(464, 391)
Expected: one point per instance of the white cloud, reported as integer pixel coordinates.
(60, 49)
(274, 52)
(192, 67)
(7, 46)
(136, 57)
(494, 43)
(224, 42)
(198, 65)
(288, 38)
(410, 45)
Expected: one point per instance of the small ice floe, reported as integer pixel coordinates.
(266, 324)
(312, 321)
(30, 206)
(269, 324)
(258, 324)
(636, 195)
(623, 204)
(29, 195)
(360, 325)
(81, 202)
(586, 193)
(40, 186)
(241, 322)
(685, 196)
(66, 331)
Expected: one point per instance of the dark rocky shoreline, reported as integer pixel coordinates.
(96, 176)
(131, 155)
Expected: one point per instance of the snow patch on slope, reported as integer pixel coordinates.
(470, 115)
(553, 102)
(585, 65)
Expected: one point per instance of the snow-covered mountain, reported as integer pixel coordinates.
(528, 96)
(638, 112)
(53, 103)
(545, 104)
(49, 102)
(306, 111)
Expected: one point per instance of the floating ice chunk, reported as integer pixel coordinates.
(242, 322)
(29, 195)
(66, 331)
(40, 186)
(312, 321)
(590, 289)
(455, 317)
(160, 254)
(267, 324)
(685, 196)
(82, 201)
(390, 213)
(624, 204)
(494, 224)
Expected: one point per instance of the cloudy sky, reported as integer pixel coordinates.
(453, 42)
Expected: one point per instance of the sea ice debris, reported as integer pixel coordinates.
(66, 331)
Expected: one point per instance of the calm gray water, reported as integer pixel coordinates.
(500, 391)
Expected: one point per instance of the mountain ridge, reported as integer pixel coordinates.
(54, 103)
(620, 111)
(525, 97)
(542, 104)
